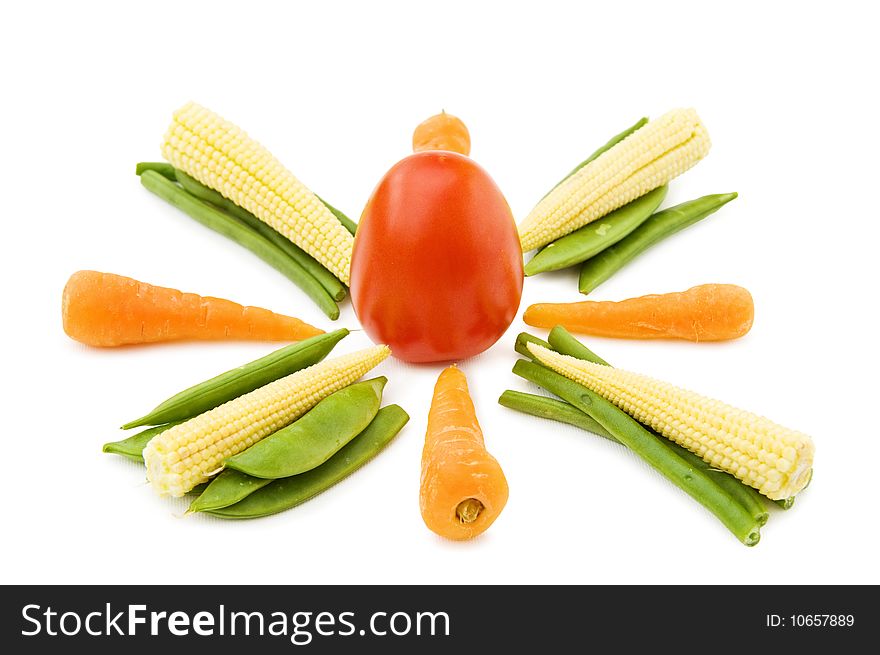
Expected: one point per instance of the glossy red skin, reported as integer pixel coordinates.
(437, 270)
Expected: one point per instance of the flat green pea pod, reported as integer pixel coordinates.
(324, 277)
(226, 489)
(286, 493)
(133, 446)
(593, 238)
(316, 436)
(244, 379)
(658, 227)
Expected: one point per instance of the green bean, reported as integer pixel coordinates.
(226, 489)
(285, 493)
(593, 238)
(524, 338)
(133, 446)
(324, 277)
(617, 138)
(564, 343)
(555, 410)
(313, 439)
(161, 167)
(347, 223)
(661, 225)
(653, 449)
(229, 227)
(241, 380)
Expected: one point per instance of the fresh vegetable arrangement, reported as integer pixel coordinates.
(435, 269)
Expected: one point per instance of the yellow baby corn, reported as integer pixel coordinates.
(187, 454)
(774, 460)
(648, 158)
(222, 156)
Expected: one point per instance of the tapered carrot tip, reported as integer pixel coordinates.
(103, 309)
(463, 488)
(442, 132)
(708, 312)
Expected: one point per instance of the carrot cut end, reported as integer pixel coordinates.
(468, 510)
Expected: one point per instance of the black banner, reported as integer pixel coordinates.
(333, 619)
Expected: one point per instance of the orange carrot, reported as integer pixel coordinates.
(103, 309)
(463, 489)
(709, 312)
(442, 132)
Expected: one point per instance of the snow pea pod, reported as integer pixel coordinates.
(133, 446)
(285, 493)
(316, 436)
(232, 228)
(594, 237)
(226, 489)
(663, 224)
(238, 381)
(324, 277)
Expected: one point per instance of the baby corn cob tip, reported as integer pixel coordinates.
(774, 460)
(187, 454)
(223, 157)
(648, 158)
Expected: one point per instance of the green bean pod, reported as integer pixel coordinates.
(221, 222)
(285, 493)
(653, 449)
(241, 380)
(613, 141)
(555, 410)
(562, 341)
(314, 438)
(163, 168)
(324, 277)
(522, 341)
(133, 446)
(347, 223)
(593, 238)
(658, 227)
(226, 489)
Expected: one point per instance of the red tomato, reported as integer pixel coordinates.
(437, 269)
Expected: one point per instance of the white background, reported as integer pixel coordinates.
(787, 91)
